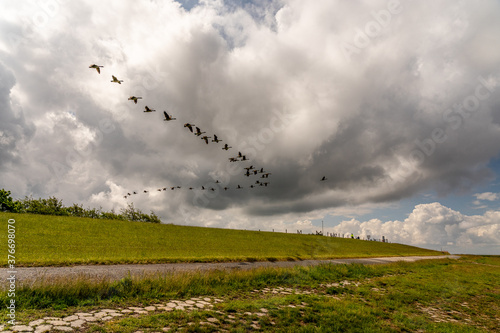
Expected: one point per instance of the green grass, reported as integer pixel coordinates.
(427, 296)
(59, 240)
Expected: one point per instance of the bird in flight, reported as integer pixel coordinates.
(233, 159)
(226, 147)
(198, 131)
(206, 138)
(216, 139)
(239, 187)
(244, 158)
(97, 67)
(167, 117)
(116, 80)
(147, 109)
(324, 178)
(133, 98)
(190, 126)
(247, 173)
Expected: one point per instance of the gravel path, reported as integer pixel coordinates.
(116, 272)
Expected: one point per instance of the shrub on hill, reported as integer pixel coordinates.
(54, 206)
(7, 204)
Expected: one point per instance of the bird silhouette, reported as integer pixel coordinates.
(244, 158)
(233, 159)
(239, 187)
(133, 98)
(116, 80)
(247, 173)
(199, 132)
(216, 140)
(324, 178)
(206, 138)
(145, 191)
(239, 154)
(226, 147)
(147, 109)
(97, 67)
(190, 126)
(225, 188)
(167, 117)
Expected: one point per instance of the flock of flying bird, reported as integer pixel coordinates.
(249, 171)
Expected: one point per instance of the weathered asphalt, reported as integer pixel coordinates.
(30, 275)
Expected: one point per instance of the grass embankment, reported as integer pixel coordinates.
(56, 240)
(427, 296)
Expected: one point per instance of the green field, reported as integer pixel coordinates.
(55, 240)
(442, 295)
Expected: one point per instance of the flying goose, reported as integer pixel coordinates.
(190, 126)
(198, 131)
(133, 98)
(225, 188)
(247, 173)
(226, 147)
(97, 67)
(244, 158)
(116, 80)
(147, 109)
(324, 178)
(239, 187)
(233, 159)
(206, 138)
(167, 117)
(216, 140)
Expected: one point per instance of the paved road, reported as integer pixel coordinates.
(116, 272)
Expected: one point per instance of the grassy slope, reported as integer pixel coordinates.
(53, 240)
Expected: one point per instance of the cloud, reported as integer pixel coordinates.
(415, 108)
(431, 225)
(487, 196)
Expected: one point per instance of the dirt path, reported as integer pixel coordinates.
(116, 272)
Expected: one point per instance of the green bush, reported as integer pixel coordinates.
(7, 204)
(54, 206)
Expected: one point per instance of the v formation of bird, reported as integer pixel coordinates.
(249, 171)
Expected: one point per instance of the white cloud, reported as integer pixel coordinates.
(270, 79)
(487, 196)
(432, 225)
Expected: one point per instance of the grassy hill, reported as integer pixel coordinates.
(56, 240)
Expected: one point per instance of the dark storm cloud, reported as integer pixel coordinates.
(271, 79)
(14, 128)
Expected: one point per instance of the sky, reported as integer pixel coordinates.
(396, 104)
